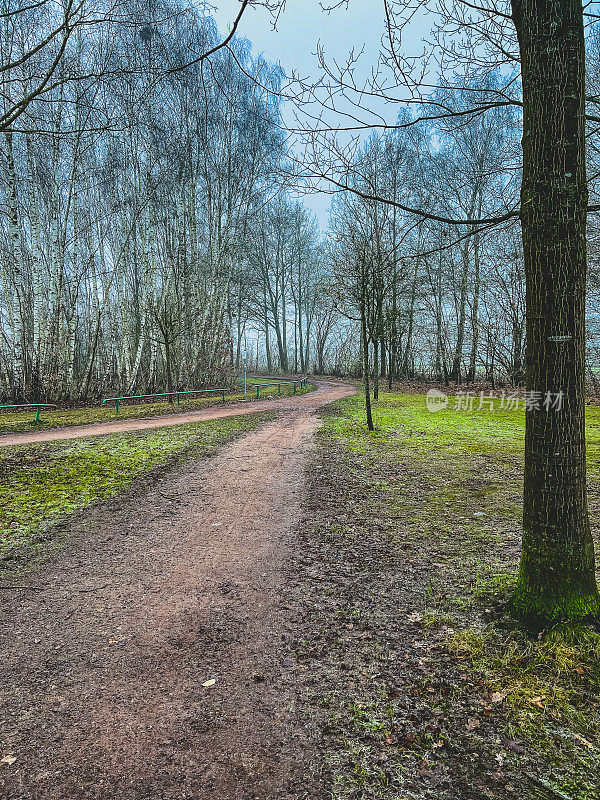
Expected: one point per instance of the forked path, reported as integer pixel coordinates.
(293, 403)
(104, 664)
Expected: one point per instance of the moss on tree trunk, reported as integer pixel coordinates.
(557, 574)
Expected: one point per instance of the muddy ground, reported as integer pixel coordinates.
(153, 658)
(249, 628)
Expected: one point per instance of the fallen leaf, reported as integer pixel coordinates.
(472, 724)
(416, 618)
(424, 769)
(211, 682)
(537, 701)
(583, 741)
(498, 697)
(516, 747)
(8, 760)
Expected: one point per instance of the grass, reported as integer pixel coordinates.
(40, 484)
(449, 486)
(24, 421)
(550, 689)
(498, 431)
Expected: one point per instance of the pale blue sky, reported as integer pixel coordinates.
(302, 25)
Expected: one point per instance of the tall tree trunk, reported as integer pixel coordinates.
(303, 355)
(296, 338)
(321, 358)
(133, 375)
(168, 366)
(365, 370)
(16, 259)
(439, 345)
(375, 368)
(557, 577)
(455, 374)
(37, 269)
(475, 310)
(393, 331)
(411, 317)
(517, 353)
(283, 355)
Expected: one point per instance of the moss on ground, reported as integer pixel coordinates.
(494, 430)
(446, 490)
(24, 421)
(549, 691)
(40, 484)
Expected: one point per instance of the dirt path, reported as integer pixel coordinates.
(301, 402)
(102, 667)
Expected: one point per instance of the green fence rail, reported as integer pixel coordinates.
(258, 386)
(300, 382)
(37, 406)
(117, 400)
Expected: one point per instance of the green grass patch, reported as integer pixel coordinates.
(448, 486)
(450, 474)
(41, 483)
(494, 430)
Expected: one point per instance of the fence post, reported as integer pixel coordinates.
(117, 406)
(37, 416)
(223, 396)
(257, 391)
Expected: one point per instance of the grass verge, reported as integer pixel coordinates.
(40, 484)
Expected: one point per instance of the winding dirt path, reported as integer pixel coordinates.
(102, 665)
(305, 401)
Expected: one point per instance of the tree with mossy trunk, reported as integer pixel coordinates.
(557, 574)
